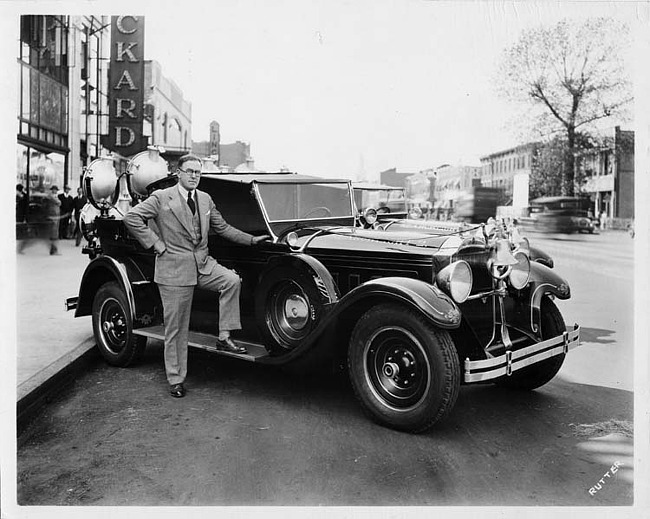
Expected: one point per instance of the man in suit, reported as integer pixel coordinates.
(183, 216)
(79, 203)
(67, 205)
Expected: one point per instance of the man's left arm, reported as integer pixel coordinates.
(224, 229)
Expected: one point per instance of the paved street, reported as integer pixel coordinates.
(600, 271)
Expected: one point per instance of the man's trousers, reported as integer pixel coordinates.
(177, 307)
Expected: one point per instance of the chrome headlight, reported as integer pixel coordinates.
(456, 280)
(415, 212)
(370, 216)
(520, 273)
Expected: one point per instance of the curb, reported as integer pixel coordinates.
(40, 389)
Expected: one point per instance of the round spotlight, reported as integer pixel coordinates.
(292, 239)
(370, 216)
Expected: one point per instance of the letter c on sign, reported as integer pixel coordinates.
(120, 26)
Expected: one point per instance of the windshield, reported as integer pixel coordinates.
(293, 201)
(376, 198)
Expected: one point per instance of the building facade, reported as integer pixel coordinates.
(63, 101)
(44, 58)
(451, 181)
(607, 175)
(392, 177)
(168, 115)
(510, 170)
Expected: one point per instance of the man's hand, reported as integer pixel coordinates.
(159, 247)
(259, 239)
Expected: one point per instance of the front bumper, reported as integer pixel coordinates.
(511, 361)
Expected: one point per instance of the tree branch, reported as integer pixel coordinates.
(539, 94)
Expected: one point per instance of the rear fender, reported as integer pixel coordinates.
(141, 293)
(543, 281)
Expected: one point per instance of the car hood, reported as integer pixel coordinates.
(351, 238)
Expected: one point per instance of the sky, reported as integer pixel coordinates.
(349, 89)
(341, 88)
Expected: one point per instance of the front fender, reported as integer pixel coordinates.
(429, 300)
(544, 280)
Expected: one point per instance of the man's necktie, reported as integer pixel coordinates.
(190, 202)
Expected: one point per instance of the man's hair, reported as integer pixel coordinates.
(19, 187)
(188, 158)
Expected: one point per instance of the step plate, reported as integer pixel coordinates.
(206, 341)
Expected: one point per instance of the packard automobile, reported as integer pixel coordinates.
(413, 314)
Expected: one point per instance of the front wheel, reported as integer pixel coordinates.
(404, 371)
(113, 327)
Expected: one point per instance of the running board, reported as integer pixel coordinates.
(206, 341)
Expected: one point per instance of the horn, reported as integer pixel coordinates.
(500, 256)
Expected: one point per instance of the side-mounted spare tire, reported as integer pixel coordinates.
(404, 371)
(113, 327)
(288, 307)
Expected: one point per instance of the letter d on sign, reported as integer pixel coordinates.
(118, 136)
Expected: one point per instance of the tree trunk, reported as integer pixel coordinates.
(568, 181)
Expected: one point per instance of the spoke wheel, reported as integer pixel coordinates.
(113, 327)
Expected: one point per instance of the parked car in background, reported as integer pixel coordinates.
(378, 202)
(412, 315)
(557, 214)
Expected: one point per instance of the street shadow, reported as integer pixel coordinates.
(596, 335)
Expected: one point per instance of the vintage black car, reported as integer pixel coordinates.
(414, 314)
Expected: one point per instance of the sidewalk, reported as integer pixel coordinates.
(49, 339)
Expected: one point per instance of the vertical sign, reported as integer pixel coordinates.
(126, 85)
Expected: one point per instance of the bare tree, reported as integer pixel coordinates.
(571, 76)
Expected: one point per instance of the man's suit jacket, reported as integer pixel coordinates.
(182, 259)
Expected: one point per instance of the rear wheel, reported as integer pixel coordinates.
(541, 373)
(404, 371)
(113, 327)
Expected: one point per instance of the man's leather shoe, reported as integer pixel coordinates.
(229, 346)
(177, 390)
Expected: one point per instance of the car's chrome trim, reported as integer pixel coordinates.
(511, 361)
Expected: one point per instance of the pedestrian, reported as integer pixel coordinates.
(184, 216)
(21, 203)
(603, 220)
(22, 231)
(67, 206)
(78, 204)
(53, 216)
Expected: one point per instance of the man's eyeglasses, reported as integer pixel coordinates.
(191, 172)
